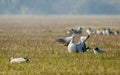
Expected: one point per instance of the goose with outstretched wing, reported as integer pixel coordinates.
(78, 47)
(65, 41)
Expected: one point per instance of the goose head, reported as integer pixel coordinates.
(26, 59)
(84, 38)
(97, 49)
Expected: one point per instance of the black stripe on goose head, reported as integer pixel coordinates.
(26, 59)
(96, 48)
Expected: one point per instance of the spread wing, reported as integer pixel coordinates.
(61, 41)
(64, 41)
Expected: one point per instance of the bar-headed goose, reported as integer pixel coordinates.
(18, 60)
(108, 31)
(89, 31)
(98, 51)
(72, 31)
(77, 47)
(65, 41)
(80, 30)
(81, 44)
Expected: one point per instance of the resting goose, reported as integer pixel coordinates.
(99, 32)
(18, 60)
(80, 30)
(116, 32)
(89, 31)
(73, 31)
(98, 51)
(108, 32)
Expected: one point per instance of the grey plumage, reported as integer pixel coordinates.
(73, 31)
(64, 41)
(98, 51)
(89, 31)
(77, 47)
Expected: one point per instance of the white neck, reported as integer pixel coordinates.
(72, 40)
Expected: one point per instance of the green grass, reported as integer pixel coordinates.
(48, 57)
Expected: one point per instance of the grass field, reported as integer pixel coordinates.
(35, 37)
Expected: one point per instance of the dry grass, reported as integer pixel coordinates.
(34, 37)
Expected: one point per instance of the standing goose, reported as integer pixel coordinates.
(108, 31)
(116, 32)
(80, 30)
(89, 31)
(98, 32)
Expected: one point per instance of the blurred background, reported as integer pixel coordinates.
(59, 7)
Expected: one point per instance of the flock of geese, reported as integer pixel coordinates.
(78, 47)
(81, 46)
(90, 31)
(72, 46)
